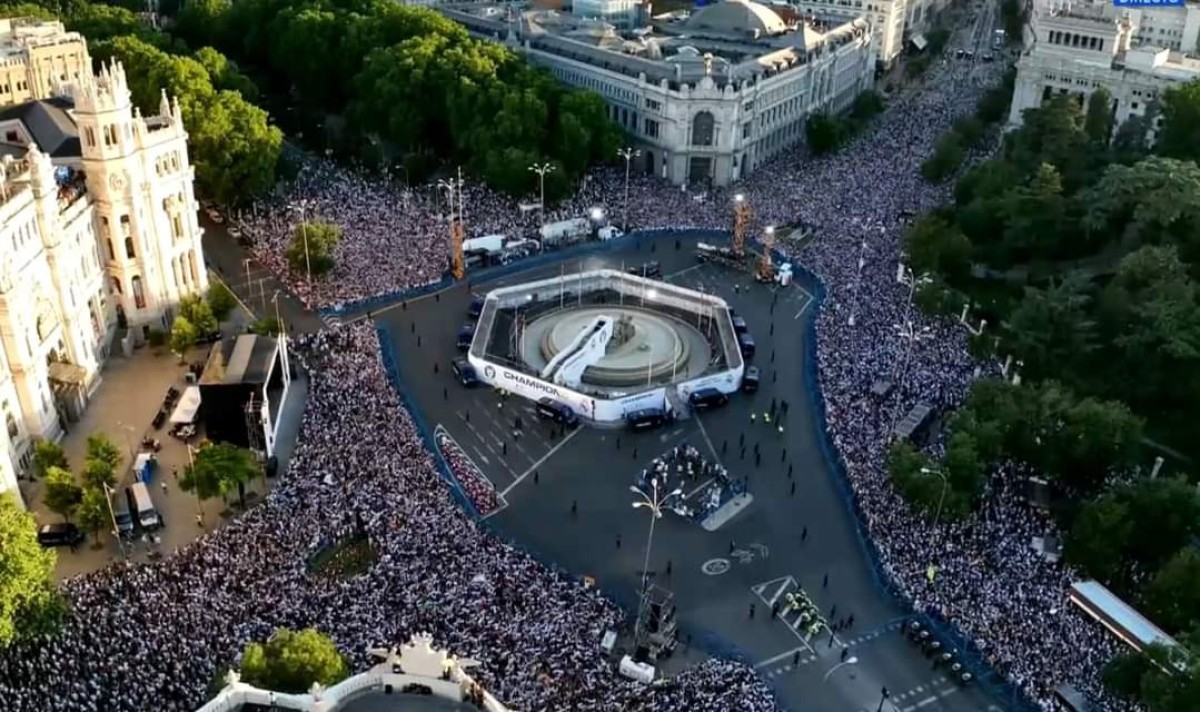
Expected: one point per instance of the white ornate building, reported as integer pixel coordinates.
(98, 242)
(36, 56)
(887, 17)
(1085, 45)
(708, 96)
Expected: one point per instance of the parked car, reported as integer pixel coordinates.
(59, 534)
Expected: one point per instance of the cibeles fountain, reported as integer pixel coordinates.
(606, 343)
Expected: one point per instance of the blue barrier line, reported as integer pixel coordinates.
(987, 678)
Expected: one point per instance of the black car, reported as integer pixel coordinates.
(647, 419)
(464, 372)
(750, 380)
(551, 409)
(747, 345)
(650, 270)
(466, 333)
(706, 398)
(476, 307)
(60, 534)
(124, 523)
(739, 324)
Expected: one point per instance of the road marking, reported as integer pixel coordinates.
(807, 301)
(782, 656)
(545, 457)
(715, 567)
(673, 275)
(778, 593)
(704, 433)
(930, 700)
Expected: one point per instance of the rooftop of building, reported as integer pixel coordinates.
(730, 41)
(246, 358)
(18, 34)
(49, 123)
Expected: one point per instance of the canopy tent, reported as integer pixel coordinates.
(189, 406)
(919, 42)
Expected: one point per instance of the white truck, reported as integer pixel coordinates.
(565, 231)
(609, 232)
(489, 243)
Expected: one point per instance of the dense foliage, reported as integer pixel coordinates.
(387, 82)
(291, 661)
(1079, 243)
(28, 600)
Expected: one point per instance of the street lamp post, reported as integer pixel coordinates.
(108, 495)
(941, 499)
(199, 508)
(882, 698)
(628, 154)
(852, 660)
(910, 279)
(542, 169)
(300, 208)
(655, 501)
(911, 335)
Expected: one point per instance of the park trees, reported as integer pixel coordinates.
(218, 469)
(184, 336)
(29, 602)
(291, 661)
(47, 454)
(220, 299)
(1179, 136)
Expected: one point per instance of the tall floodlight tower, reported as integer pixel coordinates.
(766, 264)
(741, 221)
(453, 188)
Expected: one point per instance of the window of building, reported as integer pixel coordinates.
(139, 297)
(746, 129)
(702, 129)
(651, 128)
(116, 285)
(129, 251)
(112, 255)
(10, 422)
(125, 226)
(653, 105)
(176, 226)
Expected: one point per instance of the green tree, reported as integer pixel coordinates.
(1099, 120)
(100, 447)
(199, 313)
(292, 661)
(47, 454)
(1053, 133)
(1173, 596)
(221, 300)
(824, 134)
(97, 473)
(28, 598)
(948, 155)
(218, 469)
(867, 105)
(232, 147)
(62, 495)
(969, 130)
(224, 74)
(1179, 136)
(266, 326)
(184, 336)
(312, 247)
(1053, 328)
(936, 246)
(93, 513)
(1161, 679)
(1097, 540)
(1035, 216)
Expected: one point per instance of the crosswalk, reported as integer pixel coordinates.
(331, 321)
(775, 592)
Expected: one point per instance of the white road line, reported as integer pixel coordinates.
(704, 433)
(673, 275)
(545, 457)
(782, 656)
(930, 700)
(778, 592)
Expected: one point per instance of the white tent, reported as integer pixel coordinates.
(189, 405)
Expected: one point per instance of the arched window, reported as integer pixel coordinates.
(112, 254)
(11, 423)
(139, 297)
(116, 284)
(129, 248)
(702, 129)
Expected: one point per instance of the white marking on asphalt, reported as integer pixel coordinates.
(704, 433)
(779, 592)
(545, 457)
(782, 656)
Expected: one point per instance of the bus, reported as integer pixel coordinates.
(998, 39)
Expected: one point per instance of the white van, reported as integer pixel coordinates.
(147, 515)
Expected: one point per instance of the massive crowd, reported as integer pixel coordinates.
(151, 637)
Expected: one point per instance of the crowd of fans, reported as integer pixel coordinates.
(990, 582)
(475, 485)
(151, 637)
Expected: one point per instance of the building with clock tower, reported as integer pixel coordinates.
(99, 239)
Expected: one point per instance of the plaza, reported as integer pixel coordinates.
(565, 495)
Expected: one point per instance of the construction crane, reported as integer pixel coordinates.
(741, 221)
(766, 264)
(454, 188)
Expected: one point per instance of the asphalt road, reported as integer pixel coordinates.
(540, 476)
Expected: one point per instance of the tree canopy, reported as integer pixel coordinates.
(292, 661)
(218, 469)
(28, 598)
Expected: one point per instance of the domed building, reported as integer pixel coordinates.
(706, 95)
